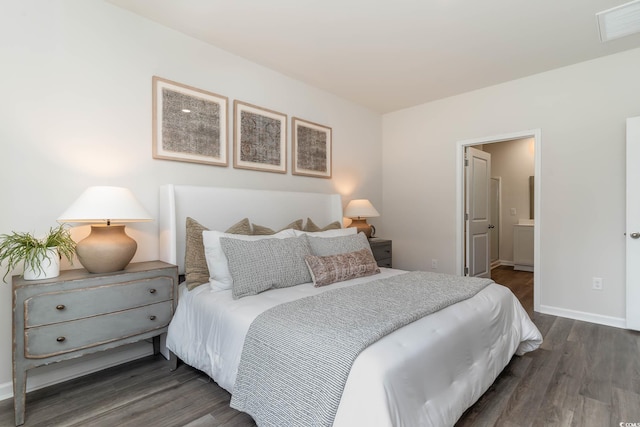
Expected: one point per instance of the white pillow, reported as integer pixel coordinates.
(219, 275)
(329, 233)
(218, 286)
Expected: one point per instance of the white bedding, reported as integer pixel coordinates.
(426, 373)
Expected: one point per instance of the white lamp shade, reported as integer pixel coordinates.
(105, 204)
(360, 208)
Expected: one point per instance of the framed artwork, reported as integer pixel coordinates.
(189, 124)
(260, 138)
(311, 149)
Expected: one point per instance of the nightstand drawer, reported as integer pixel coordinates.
(385, 262)
(381, 249)
(381, 252)
(55, 307)
(51, 340)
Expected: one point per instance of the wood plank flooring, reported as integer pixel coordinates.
(583, 375)
(520, 283)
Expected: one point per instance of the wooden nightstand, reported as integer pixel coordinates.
(381, 249)
(78, 313)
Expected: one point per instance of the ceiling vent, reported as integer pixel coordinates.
(619, 21)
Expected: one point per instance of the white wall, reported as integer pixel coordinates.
(581, 111)
(75, 83)
(513, 161)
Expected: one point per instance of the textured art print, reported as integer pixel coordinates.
(311, 149)
(259, 139)
(189, 124)
(196, 131)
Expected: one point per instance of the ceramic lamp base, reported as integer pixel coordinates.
(362, 226)
(106, 249)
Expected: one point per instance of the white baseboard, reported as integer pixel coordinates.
(616, 322)
(501, 262)
(44, 376)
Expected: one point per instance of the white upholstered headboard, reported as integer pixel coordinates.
(218, 208)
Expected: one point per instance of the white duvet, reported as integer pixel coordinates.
(424, 374)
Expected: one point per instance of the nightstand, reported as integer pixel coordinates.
(78, 313)
(381, 249)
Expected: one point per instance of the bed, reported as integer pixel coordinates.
(425, 373)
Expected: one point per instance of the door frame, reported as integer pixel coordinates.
(499, 213)
(632, 282)
(536, 134)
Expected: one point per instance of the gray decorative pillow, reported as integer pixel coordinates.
(311, 226)
(324, 246)
(196, 271)
(337, 268)
(257, 266)
(259, 230)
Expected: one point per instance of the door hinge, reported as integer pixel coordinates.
(466, 216)
(466, 159)
(466, 271)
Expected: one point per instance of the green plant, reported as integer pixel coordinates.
(24, 247)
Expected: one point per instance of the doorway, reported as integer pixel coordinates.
(535, 135)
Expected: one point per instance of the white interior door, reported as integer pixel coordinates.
(478, 212)
(633, 223)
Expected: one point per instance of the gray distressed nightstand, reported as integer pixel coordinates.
(78, 313)
(381, 249)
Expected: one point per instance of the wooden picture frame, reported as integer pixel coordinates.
(311, 149)
(189, 124)
(260, 138)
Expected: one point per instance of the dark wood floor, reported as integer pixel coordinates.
(583, 375)
(520, 283)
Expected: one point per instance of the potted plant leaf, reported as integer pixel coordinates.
(41, 256)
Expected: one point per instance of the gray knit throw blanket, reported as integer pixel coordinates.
(297, 355)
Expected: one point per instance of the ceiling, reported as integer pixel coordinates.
(388, 55)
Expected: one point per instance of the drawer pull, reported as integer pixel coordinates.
(152, 317)
(60, 339)
(152, 291)
(60, 307)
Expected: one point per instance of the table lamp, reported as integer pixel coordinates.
(359, 210)
(107, 248)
